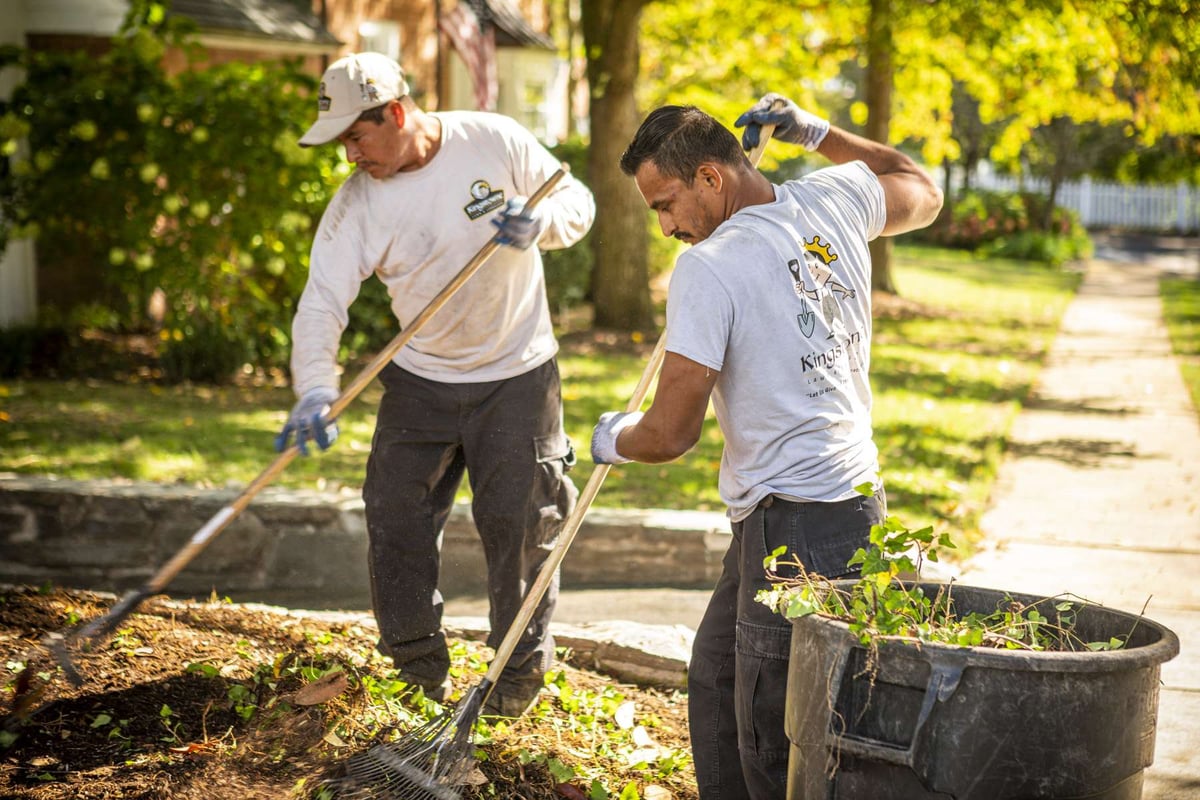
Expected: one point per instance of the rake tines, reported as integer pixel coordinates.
(424, 764)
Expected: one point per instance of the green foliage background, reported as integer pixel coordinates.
(191, 184)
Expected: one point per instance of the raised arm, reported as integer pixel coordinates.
(913, 199)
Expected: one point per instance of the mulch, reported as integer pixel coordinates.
(145, 725)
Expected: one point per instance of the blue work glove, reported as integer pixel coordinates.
(517, 228)
(792, 123)
(604, 437)
(308, 421)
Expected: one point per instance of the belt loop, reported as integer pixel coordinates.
(767, 501)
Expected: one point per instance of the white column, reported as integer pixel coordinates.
(18, 265)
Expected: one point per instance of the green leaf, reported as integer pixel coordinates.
(630, 792)
(560, 771)
(773, 556)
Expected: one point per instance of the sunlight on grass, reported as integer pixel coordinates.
(949, 385)
(949, 380)
(1181, 307)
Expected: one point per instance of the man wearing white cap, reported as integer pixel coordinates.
(477, 389)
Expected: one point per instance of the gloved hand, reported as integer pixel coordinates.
(792, 123)
(308, 421)
(604, 437)
(517, 228)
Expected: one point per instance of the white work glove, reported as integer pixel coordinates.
(517, 228)
(309, 423)
(604, 437)
(792, 123)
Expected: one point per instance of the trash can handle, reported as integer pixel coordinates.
(945, 672)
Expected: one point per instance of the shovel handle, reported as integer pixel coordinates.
(219, 521)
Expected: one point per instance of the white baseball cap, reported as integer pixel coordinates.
(350, 86)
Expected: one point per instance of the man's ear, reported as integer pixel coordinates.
(397, 113)
(710, 177)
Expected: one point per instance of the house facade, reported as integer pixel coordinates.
(530, 78)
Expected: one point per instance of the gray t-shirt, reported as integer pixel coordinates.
(778, 299)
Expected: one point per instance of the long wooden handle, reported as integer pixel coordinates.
(764, 136)
(219, 521)
(569, 529)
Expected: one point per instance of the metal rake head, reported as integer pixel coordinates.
(423, 764)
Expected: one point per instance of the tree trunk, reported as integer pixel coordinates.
(571, 12)
(879, 116)
(621, 276)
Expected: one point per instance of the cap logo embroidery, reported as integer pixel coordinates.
(370, 92)
(323, 100)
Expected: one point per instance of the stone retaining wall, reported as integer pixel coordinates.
(303, 548)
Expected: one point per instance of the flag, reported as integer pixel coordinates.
(476, 44)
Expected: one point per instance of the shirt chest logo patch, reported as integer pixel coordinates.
(484, 199)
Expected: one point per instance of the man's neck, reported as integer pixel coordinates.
(750, 188)
(428, 137)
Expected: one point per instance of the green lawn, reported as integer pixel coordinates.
(1181, 307)
(950, 375)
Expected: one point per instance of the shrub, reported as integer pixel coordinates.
(1010, 225)
(20, 349)
(190, 183)
(201, 352)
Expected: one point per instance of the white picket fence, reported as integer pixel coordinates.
(1165, 209)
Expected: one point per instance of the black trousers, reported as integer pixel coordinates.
(508, 438)
(737, 678)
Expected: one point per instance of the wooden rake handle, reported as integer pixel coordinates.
(219, 521)
(571, 527)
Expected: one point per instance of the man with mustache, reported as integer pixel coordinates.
(477, 389)
(786, 367)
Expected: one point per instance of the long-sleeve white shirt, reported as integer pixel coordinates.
(416, 230)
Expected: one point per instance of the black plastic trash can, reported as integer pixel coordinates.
(934, 722)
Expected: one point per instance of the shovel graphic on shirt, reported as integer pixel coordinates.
(808, 322)
(823, 292)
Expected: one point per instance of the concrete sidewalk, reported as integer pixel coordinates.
(1098, 496)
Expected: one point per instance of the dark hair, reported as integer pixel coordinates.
(677, 140)
(376, 114)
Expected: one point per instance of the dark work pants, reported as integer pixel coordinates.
(507, 435)
(737, 678)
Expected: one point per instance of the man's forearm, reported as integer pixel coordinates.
(649, 442)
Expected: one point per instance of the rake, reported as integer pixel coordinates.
(427, 762)
(61, 643)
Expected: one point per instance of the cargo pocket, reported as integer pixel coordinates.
(761, 689)
(554, 493)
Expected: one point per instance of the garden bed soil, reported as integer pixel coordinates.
(145, 726)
